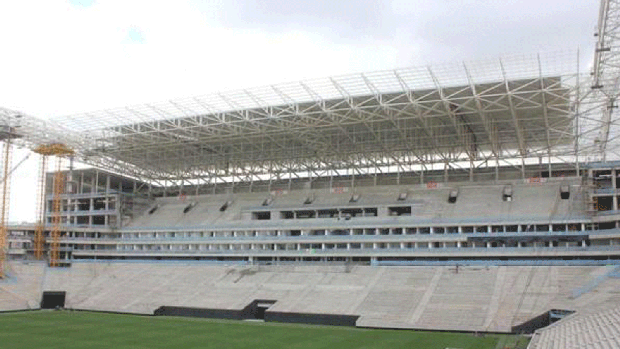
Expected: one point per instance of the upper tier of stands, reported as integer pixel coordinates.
(476, 203)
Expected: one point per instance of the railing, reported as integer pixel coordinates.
(576, 293)
(607, 213)
(370, 252)
(444, 237)
(516, 262)
(361, 223)
(87, 195)
(604, 191)
(84, 212)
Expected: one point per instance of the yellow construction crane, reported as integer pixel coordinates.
(4, 204)
(39, 238)
(60, 151)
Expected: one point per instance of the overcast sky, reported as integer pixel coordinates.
(61, 57)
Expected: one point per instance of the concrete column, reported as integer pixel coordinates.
(81, 189)
(613, 178)
(107, 184)
(459, 244)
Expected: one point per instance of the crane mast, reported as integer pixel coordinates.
(60, 151)
(39, 233)
(4, 204)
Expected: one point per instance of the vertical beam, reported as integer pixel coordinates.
(576, 128)
(59, 181)
(4, 205)
(545, 114)
(107, 184)
(481, 114)
(513, 112)
(39, 239)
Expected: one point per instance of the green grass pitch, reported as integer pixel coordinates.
(85, 330)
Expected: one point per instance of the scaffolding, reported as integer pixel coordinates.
(59, 182)
(4, 203)
(59, 151)
(39, 236)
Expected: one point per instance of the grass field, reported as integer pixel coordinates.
(67, 329)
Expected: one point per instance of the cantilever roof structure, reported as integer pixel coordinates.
(534, 109)
(516, 107)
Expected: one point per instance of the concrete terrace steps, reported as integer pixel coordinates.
(460, 301)
(599, 330)
(475, 201)
(475, 299)
(22, 290)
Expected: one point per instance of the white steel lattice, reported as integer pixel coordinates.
(600, 122)
(516, 107)
(533, 108)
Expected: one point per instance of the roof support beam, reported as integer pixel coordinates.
(513, 112)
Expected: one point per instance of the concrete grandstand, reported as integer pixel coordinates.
(478, 197)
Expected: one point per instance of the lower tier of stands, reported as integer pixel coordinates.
(474, 298)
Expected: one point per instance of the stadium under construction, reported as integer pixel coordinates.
(478, 196)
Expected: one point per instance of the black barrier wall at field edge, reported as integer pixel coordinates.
(316, 319)
(199, 312)
(249, 312)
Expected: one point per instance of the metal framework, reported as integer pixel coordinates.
(401, 120)
(4, 202)
(510, 111)
(59, 182)
(39, 237)
(606, 77)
